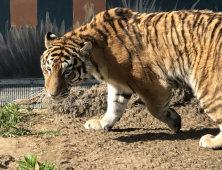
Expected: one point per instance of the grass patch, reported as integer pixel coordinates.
(10, 116)
(50, 132)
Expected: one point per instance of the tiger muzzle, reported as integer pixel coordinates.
(55, 84)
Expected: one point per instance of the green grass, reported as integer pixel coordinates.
(51, 132)
(10, 116)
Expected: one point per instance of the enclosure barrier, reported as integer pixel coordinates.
(12, 89)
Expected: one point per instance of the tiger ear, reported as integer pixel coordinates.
(85, 48)
(49, 38)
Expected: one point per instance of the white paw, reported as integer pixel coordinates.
(93, 124)
(207, 141)
(103, 124)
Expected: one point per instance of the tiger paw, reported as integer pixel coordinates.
(173, 120)
(212, 142)
(93, 124)
(103, 124)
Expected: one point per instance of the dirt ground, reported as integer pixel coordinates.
(137, 141)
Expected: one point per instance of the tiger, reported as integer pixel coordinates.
(149, 54)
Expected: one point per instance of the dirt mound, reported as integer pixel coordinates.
(93, 101)
(80, 102)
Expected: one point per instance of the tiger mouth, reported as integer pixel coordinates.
(64, 94)
(60, 96)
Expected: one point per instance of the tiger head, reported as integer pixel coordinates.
(64, 64)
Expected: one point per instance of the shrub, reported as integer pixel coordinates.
(31, 161)
(10, 116)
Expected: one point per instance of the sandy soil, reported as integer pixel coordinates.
(137, 141)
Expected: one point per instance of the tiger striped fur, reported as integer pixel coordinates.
(146, 54)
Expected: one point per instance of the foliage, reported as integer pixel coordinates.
(10, 116)
(31, 161)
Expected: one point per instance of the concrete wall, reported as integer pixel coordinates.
(31, 12)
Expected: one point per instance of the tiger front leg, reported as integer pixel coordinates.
(117, 101)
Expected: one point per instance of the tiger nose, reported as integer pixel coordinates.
(54, 94)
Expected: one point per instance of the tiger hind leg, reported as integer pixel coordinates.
(158, 105)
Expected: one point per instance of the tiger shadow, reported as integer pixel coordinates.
(182, 135)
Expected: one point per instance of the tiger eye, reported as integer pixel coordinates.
(48, 68)
(67, 71)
